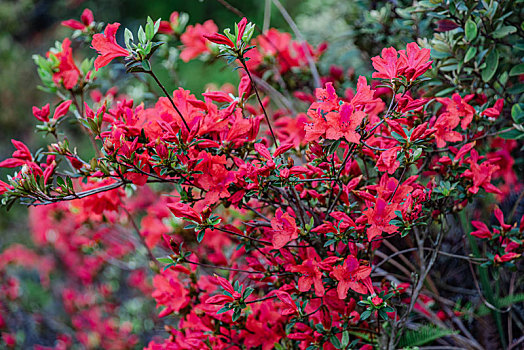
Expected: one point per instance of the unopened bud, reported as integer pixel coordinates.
(290, 162)
(109, 147)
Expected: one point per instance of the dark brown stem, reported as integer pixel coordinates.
(151, 73)
(242, 236)
(225, 268)
(142, 240)
(254, 85)
(48, 200)
(261, 299)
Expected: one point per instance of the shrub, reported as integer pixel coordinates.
(289, 211)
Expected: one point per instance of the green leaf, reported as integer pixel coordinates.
(200, 235)
(471, 29)
(472, 51)
(492, 62)
(501, 303)
(60, 182)
(168, 266)
(336, 343)
(365, 315)
(146, 65)
(449, 68)
(345, 339)
(128, 36)
(423, 335)
(517, 113)
(165, 260)
(512, 135)
(382, 313)
(445, 91)
(329, 242)
(149, 32)
(141, 35)
(222, 310)
(69, 183)
(157, 26)
(439, 54)
(247, 292)
(363, 335)
(236, 314)
(417, 153)
(517, 70)
(333, 146)
(231, 37)
(503, 31)
(516, 89)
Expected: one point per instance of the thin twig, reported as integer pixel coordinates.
(142, 239)
(261, 299)
(481, 295)
(242, 236)
(294, 28)
(254, 85)
(225, 268)
(150, 72)
(48, 200)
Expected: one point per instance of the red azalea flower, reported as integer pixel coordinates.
(62, 109)
(379, 217)
(333, 120)
(480, 174)
(349, 275)
(241, 28)
(284, 229)
(169, 27)
(311, 275)
(344, 123)
(9, 339)
(107, 47)
(494, 111)
(414, 61)
(290, 306)
(377, 300)
(388, 161)
(182, 210)
(169, 292)
(387, 64)
(505, 258)
(67, 72)
(482, 230)
(194, 42)
(500, 217)
(41, 114)
(86, 18)
(4, 187)
(224, 298)
(444, 129)
(21, 156)
(458, 107)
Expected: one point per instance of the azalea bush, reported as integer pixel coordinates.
(293, 208)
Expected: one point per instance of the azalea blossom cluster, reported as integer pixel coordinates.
(262, 218)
